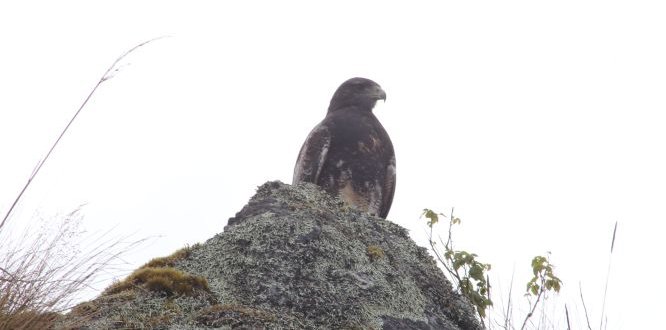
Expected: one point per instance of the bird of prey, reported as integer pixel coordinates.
(349, 154)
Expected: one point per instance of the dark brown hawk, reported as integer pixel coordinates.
(349, 153)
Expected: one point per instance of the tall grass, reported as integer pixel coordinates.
(43, 271)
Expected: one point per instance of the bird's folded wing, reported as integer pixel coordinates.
(388, 189)
(312, 156)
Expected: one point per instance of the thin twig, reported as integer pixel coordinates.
(580, 288)
(442, 260)
(536, 303)
(610, 258)
(613, 241)
(438, 256)
(507, 316)
(449, 243)
(566, 312)
(449, 246)
(108, 74)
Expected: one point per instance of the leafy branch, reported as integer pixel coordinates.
(468, 274)
(544, 280)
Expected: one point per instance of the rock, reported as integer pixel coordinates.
(293, 257)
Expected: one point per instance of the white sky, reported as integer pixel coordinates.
(541, 123)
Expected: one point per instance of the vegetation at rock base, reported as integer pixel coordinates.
(467, 273)
(544, 281)
(158, 275)
(167, 280)
(43, 270)
(170, 260)
(472, 280)
(28, 320)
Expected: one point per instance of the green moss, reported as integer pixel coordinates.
(169, 281)
(170, 261)
(375, 252)
(158, 275)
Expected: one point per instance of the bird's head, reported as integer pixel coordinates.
(357, 92)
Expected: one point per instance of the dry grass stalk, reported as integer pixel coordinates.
(39, 276)
(44, 270)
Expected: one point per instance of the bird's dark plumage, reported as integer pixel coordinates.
(349, 153)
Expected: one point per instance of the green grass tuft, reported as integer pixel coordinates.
(170, 261)
(169, 281)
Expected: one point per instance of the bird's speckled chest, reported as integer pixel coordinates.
(358, 134)
(359, 152)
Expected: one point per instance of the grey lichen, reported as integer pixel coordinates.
(294, 257)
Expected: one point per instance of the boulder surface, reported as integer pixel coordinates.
(292, 258)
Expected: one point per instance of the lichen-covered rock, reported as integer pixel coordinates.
(294, 257)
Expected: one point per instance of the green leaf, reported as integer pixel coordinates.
(458, 263)
(535, 289)
(476, 272)
(433, 218)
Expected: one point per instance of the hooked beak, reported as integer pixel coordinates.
(380, 94)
